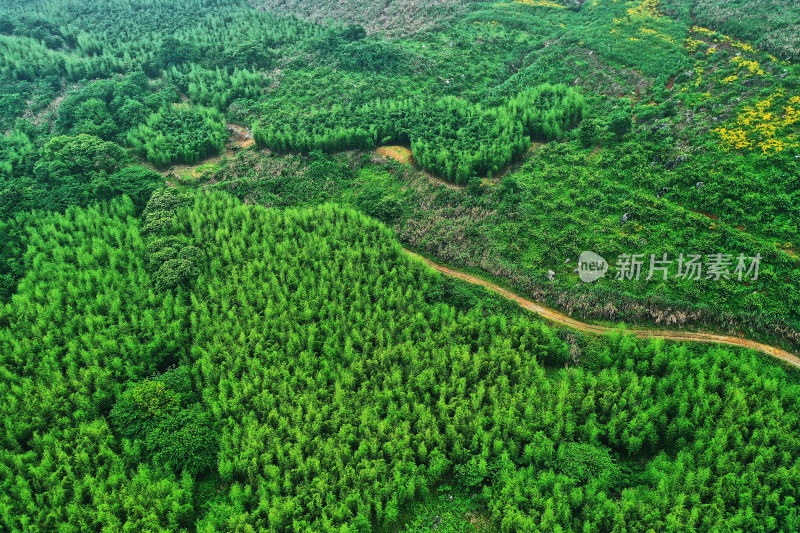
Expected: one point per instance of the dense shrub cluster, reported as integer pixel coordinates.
(451, 137)
(180, 133)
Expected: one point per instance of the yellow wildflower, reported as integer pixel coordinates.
(540, 3)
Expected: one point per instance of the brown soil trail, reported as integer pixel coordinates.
(564, 320)
(404, 155)
(400, 154)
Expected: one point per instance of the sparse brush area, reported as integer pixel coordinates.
(207, 322)
(391, 18)
(768, 24)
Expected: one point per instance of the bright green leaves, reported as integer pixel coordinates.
(180, 134)
(451, 137)
(219, 88)
(324, 384)
(585, 462)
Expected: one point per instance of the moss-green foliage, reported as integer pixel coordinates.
(67, 171)
(108, 108)
(166, 425)
(276, 181)
(180, 134)
(11, 252)
(77, 170)
(172, 261)
(135, 181)
(446, 510)
(81, 158)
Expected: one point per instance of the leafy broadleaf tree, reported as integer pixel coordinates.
(76, 170)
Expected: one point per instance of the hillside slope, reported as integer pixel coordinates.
(391, 18)
(768, 24)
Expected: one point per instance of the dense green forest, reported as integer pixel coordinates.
(693, 142)
(207, 322)
(450, 137)
(222, 366)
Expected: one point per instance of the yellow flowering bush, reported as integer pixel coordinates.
(693, 44)
(699, 72)
(751, 66)
(540, 3)
(764, 126)
(654, 33)
(743, 46)
(646, 9)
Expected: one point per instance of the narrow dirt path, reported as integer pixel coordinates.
(564, 320)
(403, 154)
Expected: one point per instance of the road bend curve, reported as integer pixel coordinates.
(564, 320)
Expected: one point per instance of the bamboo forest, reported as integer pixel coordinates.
(402, 266)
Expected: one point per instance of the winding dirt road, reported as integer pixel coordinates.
(564, 320)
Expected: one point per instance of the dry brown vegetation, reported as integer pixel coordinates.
(392, 18)
(771, 24)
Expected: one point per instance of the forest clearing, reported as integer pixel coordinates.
(401, 154)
